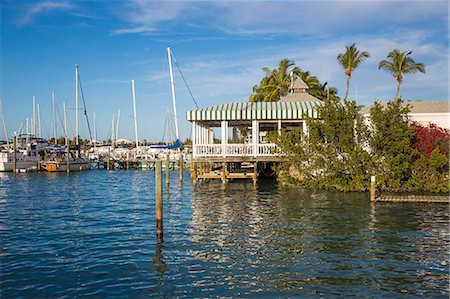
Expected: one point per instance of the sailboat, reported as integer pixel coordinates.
(61, 158)
(176, 145)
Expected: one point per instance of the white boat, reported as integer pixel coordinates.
(29, 149)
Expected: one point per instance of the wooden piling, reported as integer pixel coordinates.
(255, 173)
(167, 169)
(108, 159)
(15, 154)
(372, 188)
(224, 172)
(180, 167)
(159, 202)
(194, 172)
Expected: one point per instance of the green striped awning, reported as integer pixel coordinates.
(256, 111)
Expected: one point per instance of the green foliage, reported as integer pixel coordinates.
(399, 63)
(276, 83)
(331, 155)
(350, 60)
(341, 152)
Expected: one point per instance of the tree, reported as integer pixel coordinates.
(399, 63)
(391, 137)
(276, 83)
(350, 60)
(332, 154)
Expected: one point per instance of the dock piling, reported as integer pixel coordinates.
(159, 203)
(167, 169)
(180, 166)
(372, 188)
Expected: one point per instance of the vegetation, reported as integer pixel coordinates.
(350, 60)
(341, 152)
(276, 83)
(399, 63)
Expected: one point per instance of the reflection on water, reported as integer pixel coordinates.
(93, 234)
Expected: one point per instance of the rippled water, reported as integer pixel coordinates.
(92, 234)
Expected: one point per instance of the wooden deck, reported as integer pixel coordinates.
(414, 198)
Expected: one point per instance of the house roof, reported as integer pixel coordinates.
(256, 111)
(419, 107)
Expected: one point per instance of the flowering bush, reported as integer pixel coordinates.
(428, 138)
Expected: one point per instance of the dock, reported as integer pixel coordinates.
(414, 198)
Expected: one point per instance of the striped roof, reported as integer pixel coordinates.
(256, 111)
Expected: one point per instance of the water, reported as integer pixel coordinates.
(92, 234)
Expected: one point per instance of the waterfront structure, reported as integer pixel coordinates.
(254, 121)
(424, 113)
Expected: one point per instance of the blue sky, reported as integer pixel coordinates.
(221, 47)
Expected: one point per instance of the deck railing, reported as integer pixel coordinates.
(236, 150)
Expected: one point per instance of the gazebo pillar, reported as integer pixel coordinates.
(194, 141)
(224, 136)
(305, 128)
(279, 126)
(255, 136)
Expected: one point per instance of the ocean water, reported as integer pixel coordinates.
(92, 234)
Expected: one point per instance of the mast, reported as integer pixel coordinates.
(173, 93)
(117, 126)
(4, 123)
(76, 104)
(95, 131)
(112, 132)
(134, 110)
(39, 131)
(54, 117)
(33, 123)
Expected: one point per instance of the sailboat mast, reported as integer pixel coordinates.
(134, 110)
(33, 123)
(4, 123)
(117, 126)
(54, 117)
(173, 93)
(95, 131)
(76, 104)
(39, 121)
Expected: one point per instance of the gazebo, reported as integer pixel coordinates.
(257, 119)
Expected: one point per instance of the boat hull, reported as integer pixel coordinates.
(62, 166)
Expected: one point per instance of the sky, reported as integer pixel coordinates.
(220, 47)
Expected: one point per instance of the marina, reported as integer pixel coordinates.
(61, 236)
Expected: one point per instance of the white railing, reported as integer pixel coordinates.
(268, 150)
(236, 150)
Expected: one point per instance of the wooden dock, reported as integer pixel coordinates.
(414, 198)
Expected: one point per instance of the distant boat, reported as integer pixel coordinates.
(28, 150)
(56, 160)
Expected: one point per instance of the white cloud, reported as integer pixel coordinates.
(34, 10)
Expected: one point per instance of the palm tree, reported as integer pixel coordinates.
(350, 60)
(279, 80)
(399, 63)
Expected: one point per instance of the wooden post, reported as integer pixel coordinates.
(167, 169)
(159, 202)
(38, 161)
(372, 188)
(180, 166)
(108, 159)
(15, 154)
(194, 172)
(255, 173)
(224, 172)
